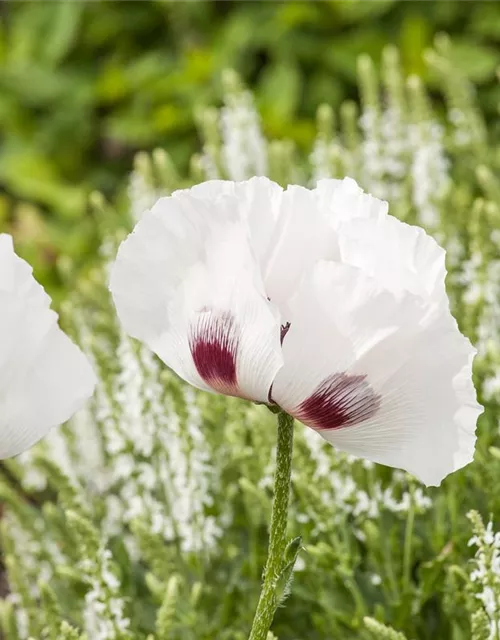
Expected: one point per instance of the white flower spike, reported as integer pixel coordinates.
(315, 300)
(44, 377)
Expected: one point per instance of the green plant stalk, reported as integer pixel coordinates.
(269, 597)
(408, 543)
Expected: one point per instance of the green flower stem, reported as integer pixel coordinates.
(271, 593)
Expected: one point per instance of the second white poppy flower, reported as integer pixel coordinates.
(315, 300)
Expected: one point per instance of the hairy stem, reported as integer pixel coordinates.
(271, 593)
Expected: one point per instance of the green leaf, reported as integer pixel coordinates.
(415, 38)
(343, 53)
(478, 62)
(485, 20)
(360, 10)
(289, 558)
(280, 90)
(61, 34)
(33, 176)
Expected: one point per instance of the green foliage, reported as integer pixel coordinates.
(84, 85)
(167, 612)
(67, 632)
(381, 631)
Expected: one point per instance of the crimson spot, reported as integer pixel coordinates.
(284, 330)
(214, 345)
(339, 401)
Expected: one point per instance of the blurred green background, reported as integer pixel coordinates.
(83, 86)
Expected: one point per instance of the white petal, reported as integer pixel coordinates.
(259, 201)
(401, 256)
(152, 261)
(187, 283)
(344, 200)
(44, 377)
(209, 190)
(288, 231)
(379, 375)
(302, 236)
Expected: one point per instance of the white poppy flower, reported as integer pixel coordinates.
(315, 300)
(44, 377)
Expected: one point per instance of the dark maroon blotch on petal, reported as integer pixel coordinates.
(214, 346)
(284, 330)
(339, 401)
